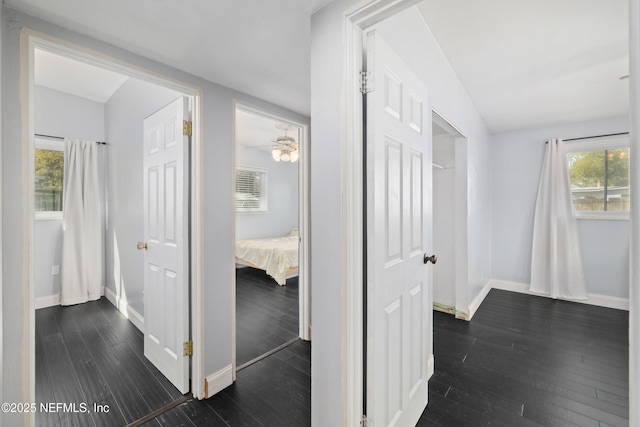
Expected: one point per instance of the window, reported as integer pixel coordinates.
(599, 176)
(251, 190)
(49, 176)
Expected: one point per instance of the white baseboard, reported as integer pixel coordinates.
(592, 299)
(136, 318)
(475, 304)
(431, 367)
(111, 296)
(123, 307)
(52, 300)
(607, 301)
(48, 301)
(219, 381)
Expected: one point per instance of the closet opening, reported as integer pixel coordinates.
(450, 219)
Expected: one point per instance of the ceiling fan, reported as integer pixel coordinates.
(285, 148)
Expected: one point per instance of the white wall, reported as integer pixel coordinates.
(282, 196)
(218, 208)
(124, 113)
(60, 114)
(517, 164)
(447, 95)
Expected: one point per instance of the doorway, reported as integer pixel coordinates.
(450, 218)
(118, 117)
(271, 285)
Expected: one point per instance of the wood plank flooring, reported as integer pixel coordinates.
(521, 361)
(90, 353)
(273, 392)
(529, 361)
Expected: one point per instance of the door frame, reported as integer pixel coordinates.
(304, 296)
(462, 310)
(29, 41)
(357, 21)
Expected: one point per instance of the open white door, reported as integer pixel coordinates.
(399, 228)
(166, 275)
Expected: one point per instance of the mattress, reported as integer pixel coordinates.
(277, 255)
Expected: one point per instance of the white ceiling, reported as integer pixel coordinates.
(524, 63)
(255, 46)
(75, 77)
(527, 63)
(256, 131)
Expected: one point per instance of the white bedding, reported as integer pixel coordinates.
(275, 255)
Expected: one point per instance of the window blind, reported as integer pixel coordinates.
(251, 190)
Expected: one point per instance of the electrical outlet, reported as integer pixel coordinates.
(55, 270)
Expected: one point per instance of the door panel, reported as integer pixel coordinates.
(166, 287)
(399, 227)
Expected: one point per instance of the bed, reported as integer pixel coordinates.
(278, 256)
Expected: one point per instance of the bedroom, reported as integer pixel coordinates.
(74, 99)
(270, 288)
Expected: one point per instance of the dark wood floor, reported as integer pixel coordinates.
(521, 361)
(90, 353)
(273, 392)
(529, 361)
(266, 313)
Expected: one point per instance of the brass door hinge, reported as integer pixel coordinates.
(188, 348)
(187, 128)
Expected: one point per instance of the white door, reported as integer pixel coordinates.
(399, 227)
(166, 276)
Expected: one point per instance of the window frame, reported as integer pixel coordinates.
(597, 144)
(51, 145)
(264, 207)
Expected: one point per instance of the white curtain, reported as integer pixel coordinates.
(82, 249)
(556, 262)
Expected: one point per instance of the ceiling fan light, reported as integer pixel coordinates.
(285, 157)
(294, 156)
(276, 154)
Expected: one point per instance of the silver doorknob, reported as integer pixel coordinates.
(142, 246)
(432, 259)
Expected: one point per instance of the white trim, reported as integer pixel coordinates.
(507, 285)
(634, 240)
(48, 144)
(460, 237)
(123, 307)
(475, 304)
(29, 39)
(304, 296)
(592, 299)
(218, 381)
(444, 123)
(431, 366)
(48, 216)
(602, 215)
(197, 247)
(48, 301)
(607, 301)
